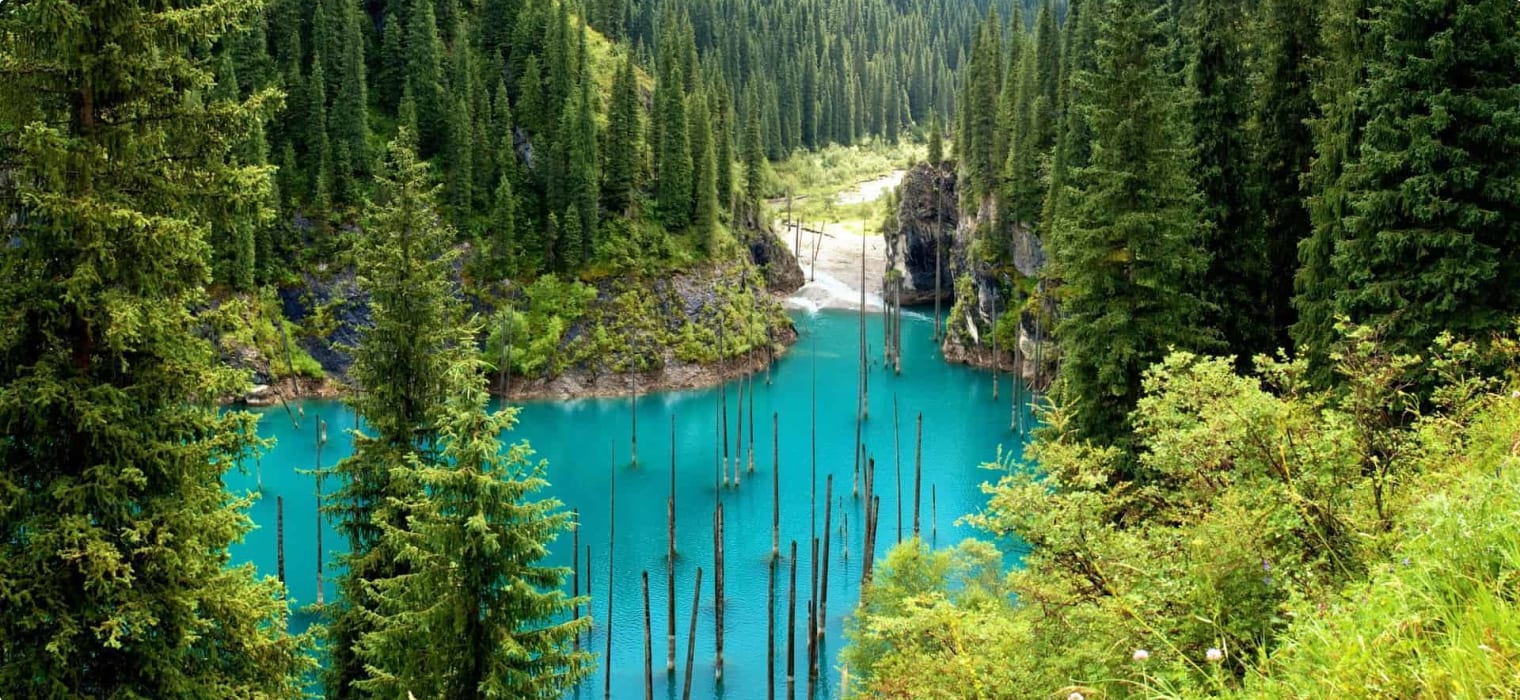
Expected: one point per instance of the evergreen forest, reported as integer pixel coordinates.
(1250, 271)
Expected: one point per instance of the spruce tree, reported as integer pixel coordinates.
(704, 215)
(723, 151)
(936, 142)
(1432, 236)
(391, 78)
(1285, 148)
(977, 143)
(624, 140)
(572, 240)
(318, 147)
(424, 77)
(1025, 191)
(503, 137)
(674, 174)
(400, 365)
(1127, 249)
(699, 137)
(1047, 51)
(478, 615)
(533, 106)
(1337, 134)
(232, 232)
(503, 230)
(1008, 97)
(115, 527)
(1235, 283)
(754, 156)
(348, 123)
(459, 155)
(1073, 146)
(457, 161)
(578, 134)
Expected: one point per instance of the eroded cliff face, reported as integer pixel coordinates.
(927, 218)
(783, 274)
(644, 332)
(989, 294)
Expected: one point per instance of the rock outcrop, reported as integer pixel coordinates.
(783, 274)
(927, 220)
(334, 311)
(995, 291)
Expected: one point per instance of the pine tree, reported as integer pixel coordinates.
(1127, 250)
(1235, 283)
(1432, 236)
(400, 366)
(624, 140)
(115, 531)
(674, 174)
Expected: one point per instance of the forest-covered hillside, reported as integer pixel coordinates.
(1265, 256)
(569, 136)
(1232, 178)
(1258, 261)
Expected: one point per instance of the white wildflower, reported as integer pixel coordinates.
(1142, 655)
(1214, 655)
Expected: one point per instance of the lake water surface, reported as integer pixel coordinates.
(587, 444)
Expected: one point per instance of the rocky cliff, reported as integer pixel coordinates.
(660, 332)
(783, 274)
(1001, 313)
(926, 223)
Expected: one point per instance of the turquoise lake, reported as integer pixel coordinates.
(583, 440)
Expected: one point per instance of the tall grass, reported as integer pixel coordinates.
(1438, 620)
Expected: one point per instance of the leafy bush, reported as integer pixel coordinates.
(248, 322)
(1265, 539)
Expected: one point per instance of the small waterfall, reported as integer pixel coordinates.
(829, 292)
